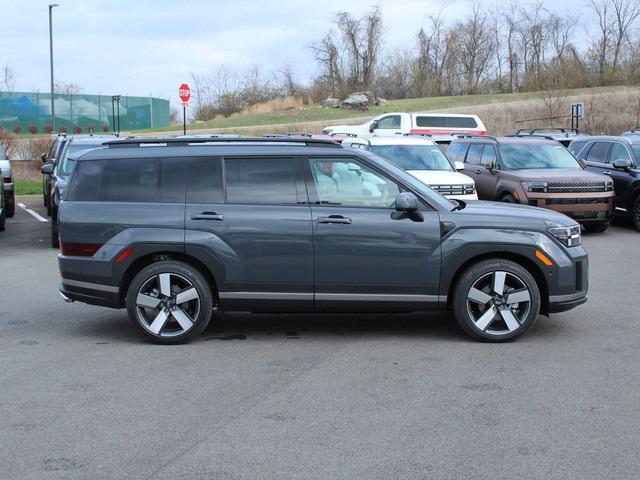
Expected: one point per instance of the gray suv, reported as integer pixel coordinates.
(173, 229)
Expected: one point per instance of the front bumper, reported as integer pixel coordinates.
(582, 207)
(569, 284)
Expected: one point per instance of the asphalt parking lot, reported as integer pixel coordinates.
(82, 395)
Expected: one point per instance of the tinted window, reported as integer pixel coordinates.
(488, 156)
(414, 157)
(451, 122)
(457, 151)
(474, 153)
(390, 121)
(130, 180)
(66, 165)
(350, 183)
(261, 181)
(575, 147)
(204, 180)
(544, 155)
(598, 152)
(619, 152)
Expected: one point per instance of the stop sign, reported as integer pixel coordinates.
(184, 92)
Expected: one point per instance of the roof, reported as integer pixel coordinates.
(513, 140)
(628, 139)
(394, 140)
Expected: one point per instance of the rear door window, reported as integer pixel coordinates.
(262, 181)
(598, 152)
(474, 153)
(204, 180)
(488, 156)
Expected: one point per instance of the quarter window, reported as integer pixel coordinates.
(204, 180)
(261, 181)
(349, 183)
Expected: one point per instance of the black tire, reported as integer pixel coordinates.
(635, 212)
(48, 203)
(142, 316)
(2, 220)
(596, 227)
(55, 233)
(525, 312)
(11, 205)
(508, 198)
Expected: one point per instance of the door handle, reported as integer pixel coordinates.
(607, 172)
(334, 219)
(208, 216)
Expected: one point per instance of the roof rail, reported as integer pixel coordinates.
(531, 131)
(184, 141)
(474, 135)
(346, 134)
(531, 135)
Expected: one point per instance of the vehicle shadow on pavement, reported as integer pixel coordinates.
(115, 327)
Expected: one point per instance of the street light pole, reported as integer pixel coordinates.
(53, 112)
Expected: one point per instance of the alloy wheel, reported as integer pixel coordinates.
(498, 303)
(167, 305)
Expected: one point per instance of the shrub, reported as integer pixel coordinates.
(48, 129)
(33, 129)
(62, 129)
(91, 128)
(105, 127)
(7, 142)
(17, 129)
(77, 129)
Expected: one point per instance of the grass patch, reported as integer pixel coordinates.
(315, 113)
(27, 187)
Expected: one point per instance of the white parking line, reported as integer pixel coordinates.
(31, 212)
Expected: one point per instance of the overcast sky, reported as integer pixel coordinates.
(142, 47)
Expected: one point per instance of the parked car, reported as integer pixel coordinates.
(633, 131)
(61, 170)
(537, 172)
(9, 189)
(423, 159)
(3, 213)
(177, 229)
(618, 158)
(561, 135)
(50, 157)
(398, 123)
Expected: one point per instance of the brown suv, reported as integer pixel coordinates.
(536, 172)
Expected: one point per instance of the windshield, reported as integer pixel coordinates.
(414, 157)
(519, 157)
(67, 165)
(636, 151)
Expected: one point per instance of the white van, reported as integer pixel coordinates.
(423, 159)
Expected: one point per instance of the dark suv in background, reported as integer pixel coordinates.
(50, 158)
(59, 172)
(619, 158)
(172, 229)
(538, 172)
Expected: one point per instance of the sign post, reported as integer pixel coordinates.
(184, 92)
(577, 112)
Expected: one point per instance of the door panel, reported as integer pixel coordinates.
(368, 256)
(266, 249)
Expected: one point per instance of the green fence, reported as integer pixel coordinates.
(22, 112)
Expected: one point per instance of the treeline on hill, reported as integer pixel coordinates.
(489, 50)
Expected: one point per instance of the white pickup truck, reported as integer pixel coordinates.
(398, 123)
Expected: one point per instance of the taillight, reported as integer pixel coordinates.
(124, 255)
(6, 179)
(79, 249)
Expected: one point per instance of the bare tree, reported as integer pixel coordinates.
(67, 87)
(8, 78)
(601, 43)
(475, 48)
(327, 55)
(625, 14)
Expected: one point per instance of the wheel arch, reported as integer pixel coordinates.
(520, 259)
(150, 258)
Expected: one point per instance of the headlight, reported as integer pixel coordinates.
(569, 236)
(540, 187)
(469, 189)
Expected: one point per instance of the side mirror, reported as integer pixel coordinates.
(583, 162)
(407, 202)
(43, 157)
(47, 169)
(373, 126)
(491, 166)
(459, 165)
(621, 164)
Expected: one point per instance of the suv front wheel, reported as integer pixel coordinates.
(496, 300)
(170, 301)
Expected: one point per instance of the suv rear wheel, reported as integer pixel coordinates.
(496, 300)
(636, 212)
(170, 301)
(11, 205)
(596, 227)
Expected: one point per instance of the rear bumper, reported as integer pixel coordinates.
(91, 293)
